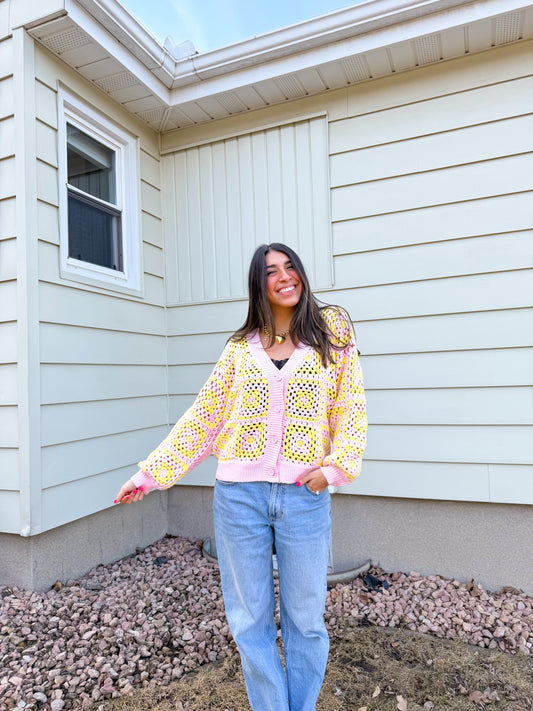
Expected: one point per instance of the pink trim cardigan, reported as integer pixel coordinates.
(265, 424)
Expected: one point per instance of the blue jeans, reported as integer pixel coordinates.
(251, 517)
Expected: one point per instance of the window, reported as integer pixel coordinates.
(94, 233)
(99, 234)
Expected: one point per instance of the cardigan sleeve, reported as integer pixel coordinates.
(347, 416)
(192, 437)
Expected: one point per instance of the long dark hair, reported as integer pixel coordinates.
(307, 324)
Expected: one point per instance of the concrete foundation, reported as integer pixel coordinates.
(190, 511)
(462, 540)
(71, 550)
(488, 542)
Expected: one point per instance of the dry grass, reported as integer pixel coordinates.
(403, 670)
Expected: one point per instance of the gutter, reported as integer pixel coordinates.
(318, 31)
(183, 75)
(325, 30)
(134, 36)
(334, 27)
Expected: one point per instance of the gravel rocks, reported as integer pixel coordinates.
(438, 606)
(154, 616)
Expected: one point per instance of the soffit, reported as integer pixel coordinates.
(170, 94)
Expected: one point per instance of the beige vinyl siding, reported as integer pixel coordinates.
(226, 197)
(81, 497)
(431, 179)
(7, 125)
(475, 255)
(434, 115)
(70, 422)
(192, 358)
(423, 224)
(197, 335)
(85, 458)
(9, 428)
(8, 332)
(433, 249)
(461, 183)
(486, 216)
(8, 261)
(4, 24)
(98, 344)
(7, 215)
(8, 384)
(482, 142)
(483, 292)
(6, 89)
(103, 374)
(506, 328)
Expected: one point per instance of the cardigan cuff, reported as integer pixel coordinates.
(335, 475)
(145, 480)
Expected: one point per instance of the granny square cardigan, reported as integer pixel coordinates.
(265, 424)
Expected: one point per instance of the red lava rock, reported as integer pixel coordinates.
(131, 623)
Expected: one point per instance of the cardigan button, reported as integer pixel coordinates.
(279, 377)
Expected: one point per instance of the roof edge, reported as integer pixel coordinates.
(363, 18)
(324, 29)
(120, 23)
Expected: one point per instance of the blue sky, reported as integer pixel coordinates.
(210, 24)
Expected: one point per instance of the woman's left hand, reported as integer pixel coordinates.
(315, 480)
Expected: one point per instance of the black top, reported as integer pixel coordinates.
(279, 363)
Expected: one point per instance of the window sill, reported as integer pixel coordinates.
(117, 284)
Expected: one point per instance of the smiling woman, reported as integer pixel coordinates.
(284, 413)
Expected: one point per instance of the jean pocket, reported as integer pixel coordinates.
(225, 483)
(315, 494)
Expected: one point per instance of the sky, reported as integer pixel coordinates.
(210, 24)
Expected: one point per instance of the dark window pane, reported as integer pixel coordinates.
(91, 165)
(94, 233)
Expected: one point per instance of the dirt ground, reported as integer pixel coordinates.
(369, 669)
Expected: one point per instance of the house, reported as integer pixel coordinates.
(390, 143)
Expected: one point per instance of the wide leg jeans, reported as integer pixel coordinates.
(251, 517)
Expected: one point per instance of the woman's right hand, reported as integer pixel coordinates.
(129, 493)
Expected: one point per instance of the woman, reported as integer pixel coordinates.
(284, 413)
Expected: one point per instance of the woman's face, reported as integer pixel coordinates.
(284, 286)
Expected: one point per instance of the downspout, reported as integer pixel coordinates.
(28, 367)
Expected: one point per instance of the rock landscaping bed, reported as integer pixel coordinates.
(369, 669)
(154, 617)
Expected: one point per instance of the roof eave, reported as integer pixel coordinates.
(324, 39)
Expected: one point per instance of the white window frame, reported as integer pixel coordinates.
(75, 111)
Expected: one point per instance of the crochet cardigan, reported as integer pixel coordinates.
(265, 424)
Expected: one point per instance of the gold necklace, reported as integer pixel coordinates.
(280, 337)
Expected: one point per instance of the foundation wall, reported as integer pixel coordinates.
(462, 540)
(487, 542)
(69, 551)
